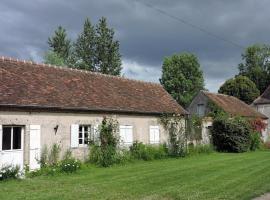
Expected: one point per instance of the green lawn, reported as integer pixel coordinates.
(215, 176)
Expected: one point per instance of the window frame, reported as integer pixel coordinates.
(90, 134)
(12, 137)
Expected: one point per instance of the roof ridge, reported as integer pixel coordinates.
(10, 59)
(215, 93)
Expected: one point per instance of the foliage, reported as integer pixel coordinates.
(105, 154)
(108, 58)
(231, 134)
(59, 43)
(267, 145)
(95, 49)
(175, 126)
(194, 126)
(200, 149)
(256, 65)
(240, 87)
(53, 58)
(50, 158)
(141, 151)
(70, 165)
(83, 56)
(256, 141)
(215, 111)
(10, 172)
(258, 125)
(182, 77)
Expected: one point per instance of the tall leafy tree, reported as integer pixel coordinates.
(182, 77)
(241, 87)
(107, 56)
(256, 65)
(59, 43)
(83, 55)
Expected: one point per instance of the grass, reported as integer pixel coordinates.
(213, 176)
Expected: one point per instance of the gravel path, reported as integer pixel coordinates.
(263, 197)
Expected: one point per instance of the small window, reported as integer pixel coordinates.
(85, 135)
(200, 110)
(154, 135)
(12, 138)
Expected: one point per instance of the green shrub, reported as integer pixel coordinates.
(231, 134)
(256, 141)
(10, 172)
(200, 149)
(141, 151)
(70, 165)
(105, 154)
(54, 155)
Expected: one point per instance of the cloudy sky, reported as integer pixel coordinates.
(146, 36)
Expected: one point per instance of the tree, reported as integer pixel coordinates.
(59, 43)
(83, 56)
(256, 65)
(53, 58)
(107, 56)
(241, 87)
(182, 77)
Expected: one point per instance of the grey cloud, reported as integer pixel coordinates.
(146, 36)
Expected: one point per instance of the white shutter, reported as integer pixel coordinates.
(129, 135)
(152, 135)
(74, 136)
(122, 134)
(157, 135)
(95, 133)
(34, 147)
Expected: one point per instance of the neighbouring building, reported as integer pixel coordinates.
(201, 106)
(262, 105)
(42, 105)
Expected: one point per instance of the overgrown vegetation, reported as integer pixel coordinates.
(10, 172)
(175, 127)
(194, 128)
(141, 151)
(105, 153)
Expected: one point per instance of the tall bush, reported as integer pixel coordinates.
(105, 153)
(175, 127)
(231, 134)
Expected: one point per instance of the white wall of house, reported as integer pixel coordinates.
(264, 109)
(44, 123)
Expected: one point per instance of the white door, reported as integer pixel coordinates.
(34, 147)
(11, 145)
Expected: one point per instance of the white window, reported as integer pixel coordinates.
(154, 135)
(200, 110)
(126, 135)
(12, 138)
(85, 135)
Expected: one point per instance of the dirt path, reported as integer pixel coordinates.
(263, 197)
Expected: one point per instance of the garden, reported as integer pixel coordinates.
(234, 167)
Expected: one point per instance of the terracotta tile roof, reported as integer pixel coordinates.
(233, 105)
(264, 98)
(27, 84)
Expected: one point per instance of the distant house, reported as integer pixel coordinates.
(42, 105)
(262, 105)
(200, 106)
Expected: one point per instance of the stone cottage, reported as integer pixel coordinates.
(42, 105)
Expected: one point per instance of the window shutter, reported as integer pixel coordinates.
(152, 135)
(74, 136)
(34, 147)
(129, 135)
(157, 135)
(122, 134)
(95, 133)
(1, 136)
